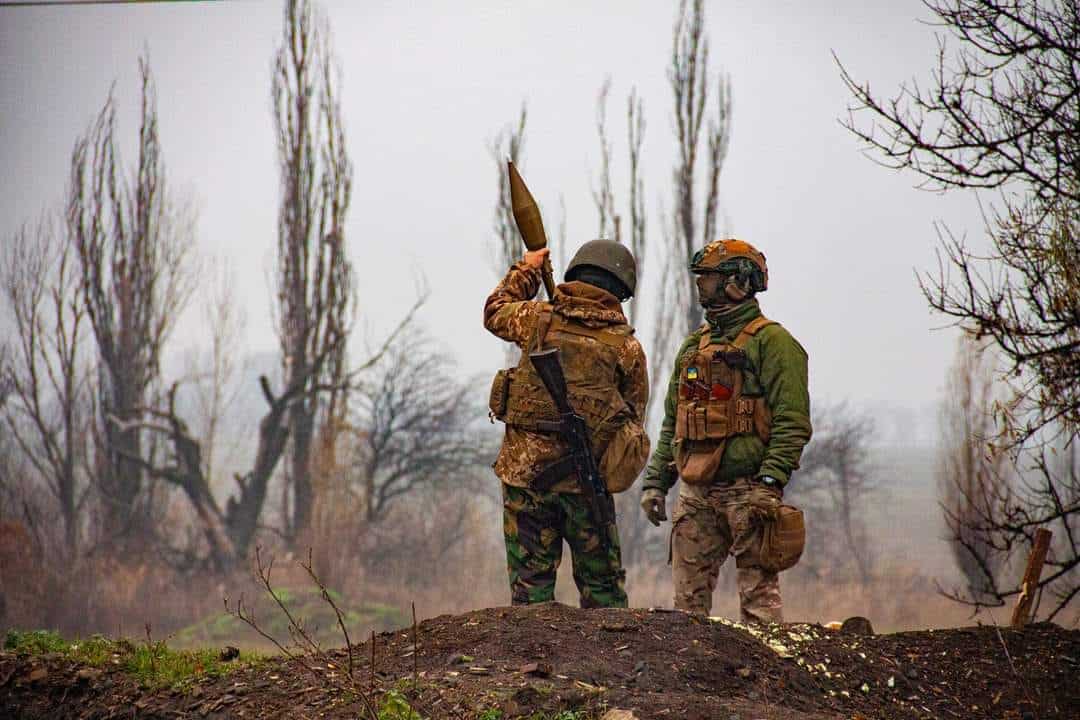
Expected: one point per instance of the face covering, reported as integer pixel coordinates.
(733, 294)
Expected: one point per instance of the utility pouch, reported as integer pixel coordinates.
(500, 392)
(698, 465)
(690, 422)
(717, 422)
(784, 537)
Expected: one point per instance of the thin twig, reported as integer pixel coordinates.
(150, 648)
(416, 654)
(305, 646)
(337, 611)
(1012, 665)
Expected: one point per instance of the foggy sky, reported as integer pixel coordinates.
(426, 87)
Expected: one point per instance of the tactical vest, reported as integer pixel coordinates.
(712, 408)
(590, 362)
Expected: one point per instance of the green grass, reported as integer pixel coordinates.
(496, 714)
(395, 706)
(152, 664)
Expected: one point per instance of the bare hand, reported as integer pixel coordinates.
(535, 258)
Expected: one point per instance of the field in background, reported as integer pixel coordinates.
(380, 576)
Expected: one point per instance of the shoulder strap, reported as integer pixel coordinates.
(706, 336)
(543, 324)
(607, 336)
(750, 329)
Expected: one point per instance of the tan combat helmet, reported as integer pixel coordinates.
(607, 255)
(727, 253)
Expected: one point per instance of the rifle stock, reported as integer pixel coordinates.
(549, 368)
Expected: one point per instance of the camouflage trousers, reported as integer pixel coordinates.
(535, 525)
(710, 523)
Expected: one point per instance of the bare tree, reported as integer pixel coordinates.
(132, 241)
(49, 414)
(694, 220)
(603, 194)
(992, 527)
(416, 426)
(314, 276)
(186, 471)
(605, 198)
(228, 533)
(971, 474)
(7, 383)
(635, 136)
(835, 483)
(509, 144)
(1001, 113)
(993, 502)
(213, 373)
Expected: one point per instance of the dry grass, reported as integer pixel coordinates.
(444, 562)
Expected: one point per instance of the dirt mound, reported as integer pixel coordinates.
(542, 660)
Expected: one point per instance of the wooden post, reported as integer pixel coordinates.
(1031, 577)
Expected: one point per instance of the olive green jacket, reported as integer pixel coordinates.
(776, 370)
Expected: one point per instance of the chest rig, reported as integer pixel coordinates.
(712, 406)
(590, 362)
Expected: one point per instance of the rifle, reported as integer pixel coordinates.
(531, 226)
(572, 428)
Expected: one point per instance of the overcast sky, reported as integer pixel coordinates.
(426, 87)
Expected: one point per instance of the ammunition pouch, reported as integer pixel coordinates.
(499, 394)
(712, 406)
(783, 539)
(717, 421)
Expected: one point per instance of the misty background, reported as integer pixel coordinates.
(427, 87)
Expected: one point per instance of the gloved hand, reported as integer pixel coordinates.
(653, 503)
(763, 499)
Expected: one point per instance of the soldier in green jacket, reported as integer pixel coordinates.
(736, 419)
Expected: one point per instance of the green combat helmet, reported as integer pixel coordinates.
(733, 256)
(609, 256)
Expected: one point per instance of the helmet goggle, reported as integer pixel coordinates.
(732, 258)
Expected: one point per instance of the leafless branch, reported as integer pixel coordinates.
(305, 648)
(1000, 113)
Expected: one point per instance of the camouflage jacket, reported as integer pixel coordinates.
(511, 314)
(778, 371)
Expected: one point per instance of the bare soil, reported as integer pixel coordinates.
(659, 664)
